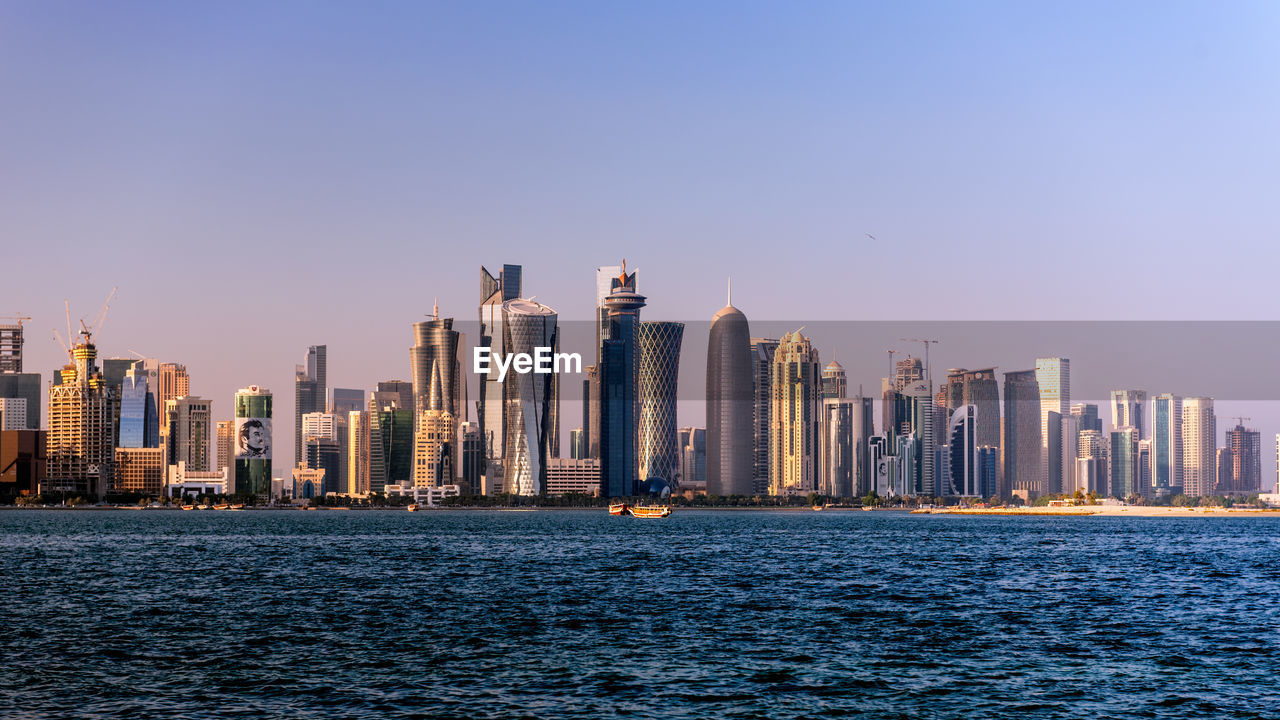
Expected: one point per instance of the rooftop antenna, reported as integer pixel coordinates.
(730, 298)
(435, 308)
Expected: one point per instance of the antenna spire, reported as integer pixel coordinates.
(435, 308)
(729, 301)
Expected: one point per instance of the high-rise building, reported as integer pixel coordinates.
(390, 436)
(1199, 443)
(862, 430)
(659, 377)
(533, 399)
(1093, 471)
(139, 414)
(23, 460)
(13, 414)
(492, 405)
(839, 464)
(324, 453)
(566, 476)
(1054, 378)
(1166, 444)
(835, 384)
(1020, 449)
(963, 475)
(171, 382)
(762, 350)
(472, 460)
(1244, 475)
(435, 436)
(189, 421)
(11, 347)
(310, 392)
(730, 405)
(693, 458)
(436, 344)
(82, 411)
(358, 452)
(226, 438)
(1124, 462)
(916, 415)
(1144, 488)
(1068, 450)
(979, 389)
(1088, 414)
(619, 380)
(346, 400)
(139, 470)
(27, 387)
(795, 416)
(252, 471)
(577, 444)
(1128, 408)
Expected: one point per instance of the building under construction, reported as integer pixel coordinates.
(82, 411)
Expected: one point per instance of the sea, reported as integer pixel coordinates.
(578, 614)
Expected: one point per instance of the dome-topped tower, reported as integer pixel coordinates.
(729, 403)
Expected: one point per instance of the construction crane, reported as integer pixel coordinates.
(100, 320)
(19, 317)
(1239, 419)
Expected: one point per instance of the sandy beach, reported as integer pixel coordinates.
(1109, 510)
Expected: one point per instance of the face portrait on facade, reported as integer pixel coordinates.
(253, 438)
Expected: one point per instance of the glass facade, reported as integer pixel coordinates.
(253, 467)
(659, 377)
(531, 398)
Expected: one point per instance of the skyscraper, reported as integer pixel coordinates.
(1128, 408)
(390, 435)
(1199, 436)
(693, 458)
(795, 411)
(1124, 462)
(139, 416)
(11, 347)
(730, 404)
(1088, 414)
(1245, 474)
(1020, 449)
(310, 391)
(492, 404)
(979, 389)
(619, 378)
(532, 398)
(172, 382)
(252, 472)
(358, 452)
(190, 422)
(962, 478)
(762, 350)
(437, 345)
(862, 430)
(435, 435)
(226, 433)
(835, 384)
(839, 463)
(82, 412)
(347, 399)
(916, 416)
(1054, 378)
(1166, 444)
(659, 378)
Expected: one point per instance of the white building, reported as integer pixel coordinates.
(1199, 446)
(13, 413)
(566, 475)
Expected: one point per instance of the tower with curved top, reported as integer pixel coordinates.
(730, 404)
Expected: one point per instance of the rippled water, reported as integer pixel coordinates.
(579, 614)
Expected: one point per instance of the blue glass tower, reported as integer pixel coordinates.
(619, 378)
(139, 416)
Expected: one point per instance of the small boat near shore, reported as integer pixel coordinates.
(640, 511)
(413, 507)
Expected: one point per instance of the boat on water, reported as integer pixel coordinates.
(187, 507)
(640, 511)
(203, 507)
(238, 506)
(221, 506)
(819, 508)
(413, 507)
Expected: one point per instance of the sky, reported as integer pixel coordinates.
(260, 177)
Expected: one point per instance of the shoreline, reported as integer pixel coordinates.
(1076, 511)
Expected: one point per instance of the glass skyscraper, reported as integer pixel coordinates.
(659, 376)
(619, 377)
(532, 398)
(139, 419)
(253, 442)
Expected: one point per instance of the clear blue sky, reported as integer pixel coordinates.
(258, 177)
